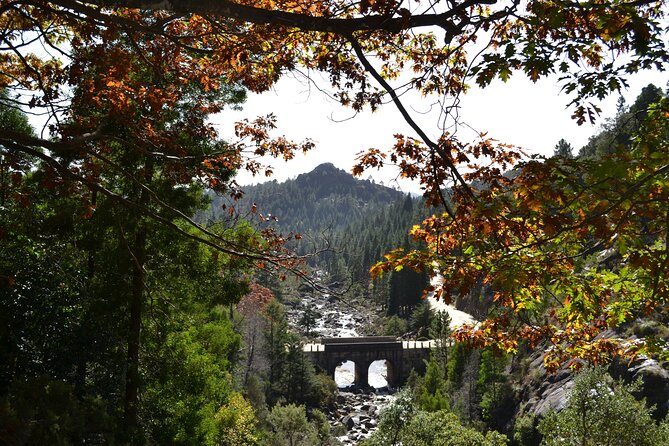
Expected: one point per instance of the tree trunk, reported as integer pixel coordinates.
(136, 304)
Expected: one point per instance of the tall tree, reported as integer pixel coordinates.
(126, 165)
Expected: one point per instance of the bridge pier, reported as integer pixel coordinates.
(391, 374)
(362, 373)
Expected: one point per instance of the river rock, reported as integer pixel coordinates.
(348, 421)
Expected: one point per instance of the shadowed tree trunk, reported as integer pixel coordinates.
(136, 304)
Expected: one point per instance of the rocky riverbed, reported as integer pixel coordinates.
(358, 412)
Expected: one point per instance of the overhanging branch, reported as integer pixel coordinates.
(408, 118)
(302, 21)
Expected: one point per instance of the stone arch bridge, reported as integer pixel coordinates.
(401, 356)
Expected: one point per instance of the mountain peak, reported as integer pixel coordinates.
(325, 198)
(327, 169)
(326, 176)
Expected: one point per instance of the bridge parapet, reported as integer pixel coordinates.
(361, 340)
(419, 344)
(313, 348)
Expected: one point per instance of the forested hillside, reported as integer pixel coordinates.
(317, 203)
(365, 242)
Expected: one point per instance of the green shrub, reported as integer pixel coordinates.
(602, 412)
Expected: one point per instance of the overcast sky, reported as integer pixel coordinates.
(533, 116)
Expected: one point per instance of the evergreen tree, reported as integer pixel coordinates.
(563, 149)
(276, 340)
(421, 319)
(433, 391)
(495, 392)
(440, 331)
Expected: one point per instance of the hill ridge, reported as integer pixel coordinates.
(326, 198)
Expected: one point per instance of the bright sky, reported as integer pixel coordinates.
(532, 116)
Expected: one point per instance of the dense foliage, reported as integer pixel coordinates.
(404, 423)
(67, 302)
(602, 412)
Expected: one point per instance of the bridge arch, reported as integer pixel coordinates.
(389, 373)
(360, 369)
(340, 364)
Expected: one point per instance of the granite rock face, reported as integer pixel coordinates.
(654, 378)
(540, 392)
(544, 392)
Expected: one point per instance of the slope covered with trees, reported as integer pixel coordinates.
(345, 223)
(363, 243)
(315, 204)
(350, 224)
